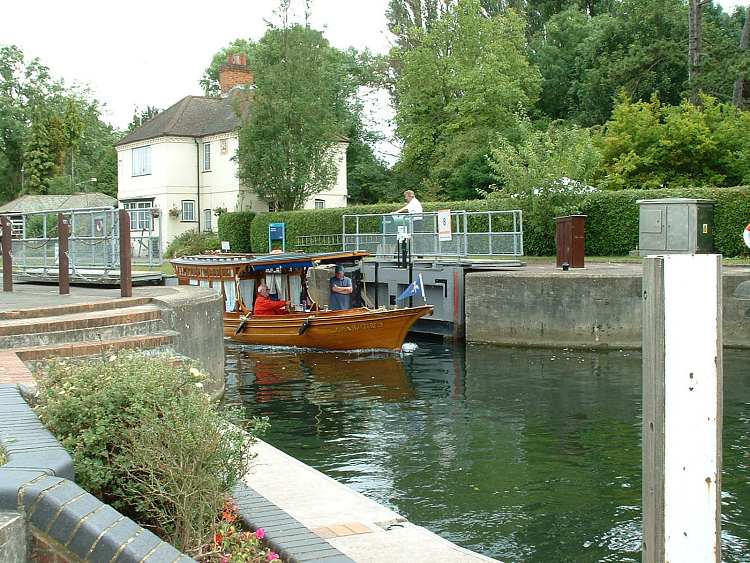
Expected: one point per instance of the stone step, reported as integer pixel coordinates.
(91, 334)
(161, 339)
(82, 320)
(74, 308)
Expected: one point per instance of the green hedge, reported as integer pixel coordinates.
(611, 227)
(235, 228)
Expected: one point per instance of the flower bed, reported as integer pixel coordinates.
(230, 543)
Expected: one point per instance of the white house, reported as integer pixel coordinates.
(181, 161)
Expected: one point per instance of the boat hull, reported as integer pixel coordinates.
(354, 329)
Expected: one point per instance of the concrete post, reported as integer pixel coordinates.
(63, 268)
(126, 255)
(7, 237)
(682, 408)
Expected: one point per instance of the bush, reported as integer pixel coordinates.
(236, 228)
(146, 439)
(191, 242)
(611, 227)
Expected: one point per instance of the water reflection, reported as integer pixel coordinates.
(524, 455)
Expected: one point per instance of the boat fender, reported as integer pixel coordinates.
(305, 325)
(241, 326)
(746, 236)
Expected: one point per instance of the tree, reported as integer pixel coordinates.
(738, 91)
(653, 145)
(210, 80)
(694, 47)
(40, 157)
(140, 117)
(462, 85)
(298, 113)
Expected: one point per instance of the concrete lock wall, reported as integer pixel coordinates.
(197, 314)
(578, 309)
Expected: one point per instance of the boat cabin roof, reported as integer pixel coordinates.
(251, 262)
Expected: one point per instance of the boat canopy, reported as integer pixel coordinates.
(251, 263)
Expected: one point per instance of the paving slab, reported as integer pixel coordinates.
(318, 501)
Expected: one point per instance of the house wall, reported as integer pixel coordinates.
(173, 178)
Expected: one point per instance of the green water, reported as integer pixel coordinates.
(522, 455)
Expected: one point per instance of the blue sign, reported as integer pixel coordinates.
(276, 237)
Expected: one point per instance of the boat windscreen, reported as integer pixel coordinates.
(290, 265)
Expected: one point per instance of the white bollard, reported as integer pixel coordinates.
(682, 408)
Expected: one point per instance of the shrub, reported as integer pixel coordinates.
(145, 439)
(236, 228)
(191, 242)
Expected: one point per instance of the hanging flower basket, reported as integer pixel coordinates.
(174, 212)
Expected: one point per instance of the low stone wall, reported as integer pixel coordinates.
(197, 315)
(63, 522)
(579, 308)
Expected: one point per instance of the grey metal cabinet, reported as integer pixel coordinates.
(676, 226)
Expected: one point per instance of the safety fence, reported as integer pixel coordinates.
(448, 233)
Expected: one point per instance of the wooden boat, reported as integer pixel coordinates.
(236, 276)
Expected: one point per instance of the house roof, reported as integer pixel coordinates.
(34, 203)
(192, 116)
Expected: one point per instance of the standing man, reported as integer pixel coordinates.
(341, 291)
(412, 204)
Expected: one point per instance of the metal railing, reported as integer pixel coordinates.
(473, 233)
(305, 242)
(93, 243)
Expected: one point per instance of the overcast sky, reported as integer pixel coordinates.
(138, 53)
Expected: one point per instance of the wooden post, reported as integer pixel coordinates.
(126, 255)
(63, 261)
(682, 408)
(7, 232)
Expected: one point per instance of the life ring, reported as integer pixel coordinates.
(746, 236)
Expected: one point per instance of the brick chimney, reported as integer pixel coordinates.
(234, 72)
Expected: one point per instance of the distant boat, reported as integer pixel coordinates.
(236, 275)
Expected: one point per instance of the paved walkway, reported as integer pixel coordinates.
(33, 296)
(356, 525)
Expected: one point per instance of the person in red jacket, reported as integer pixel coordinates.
(265, 306)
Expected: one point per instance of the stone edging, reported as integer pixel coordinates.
(37, 480)
(293, 541)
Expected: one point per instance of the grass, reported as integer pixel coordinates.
(3, 457)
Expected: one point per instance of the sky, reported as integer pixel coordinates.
(138, 53)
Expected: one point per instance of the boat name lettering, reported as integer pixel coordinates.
(359, 326)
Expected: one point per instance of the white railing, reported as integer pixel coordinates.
(473, 233)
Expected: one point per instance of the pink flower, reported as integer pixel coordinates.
(272, 556)
(260, 533)
(224, 558)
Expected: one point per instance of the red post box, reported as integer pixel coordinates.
(570, 240)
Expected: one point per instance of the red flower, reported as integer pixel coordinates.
(218, 538)
(228, 515)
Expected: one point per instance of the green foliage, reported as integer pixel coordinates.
(140, 117)
(611, 227)
(236, 228)
(288, 146)
(145, 439)
(649, 145)
(529, 160)
(191, 242)
(448, 109)
(39, 158)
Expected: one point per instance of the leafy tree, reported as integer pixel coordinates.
(140, 117)
(530, 160)
(40, 157)
(210, 80)
(651, 145)
(464, 83)
(299, 110)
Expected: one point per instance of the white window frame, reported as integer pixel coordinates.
(207, 220)
(188, 211)
(140, 214)
(322, 203)
(207, 157)
(141, 161)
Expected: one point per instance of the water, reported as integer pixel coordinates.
(522, 455)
